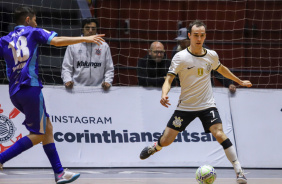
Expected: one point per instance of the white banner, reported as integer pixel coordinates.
(93, 128)
(257, 117)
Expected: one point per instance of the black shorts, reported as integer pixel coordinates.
(181, 119)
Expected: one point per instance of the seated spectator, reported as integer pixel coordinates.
(183, 42)
(88, 64)
(152, 69)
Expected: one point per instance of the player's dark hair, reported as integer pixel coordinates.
(21, 13)
(196, 23)
(88, 21)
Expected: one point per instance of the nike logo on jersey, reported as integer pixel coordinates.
(213, 120)
(190, 67)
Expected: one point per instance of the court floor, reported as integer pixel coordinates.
(138, 176)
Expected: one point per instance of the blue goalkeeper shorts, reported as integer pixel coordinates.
(29, 100)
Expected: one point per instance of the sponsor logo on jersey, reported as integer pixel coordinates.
(86, 64)
(177, 122)
(19, 66)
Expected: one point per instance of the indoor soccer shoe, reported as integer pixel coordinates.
(66, 177)
(241, 178)
(148, 151)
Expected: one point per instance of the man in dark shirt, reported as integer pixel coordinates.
(153, 68)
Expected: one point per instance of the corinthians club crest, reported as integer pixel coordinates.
(177, 122)
(98, 51)
(8, 129)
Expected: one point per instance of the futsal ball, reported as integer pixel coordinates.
(205, 174)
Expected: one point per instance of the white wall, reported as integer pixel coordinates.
(257, 120)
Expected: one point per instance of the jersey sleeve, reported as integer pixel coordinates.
(43, 36)
(215, 60)
(175, 65)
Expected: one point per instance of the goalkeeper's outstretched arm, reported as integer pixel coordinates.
(65, 41)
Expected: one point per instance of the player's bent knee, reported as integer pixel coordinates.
(218, 134)
(36, 138)
(49, 128)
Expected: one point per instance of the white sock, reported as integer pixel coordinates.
(232, 157)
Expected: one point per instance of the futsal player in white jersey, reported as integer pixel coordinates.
(193, 66)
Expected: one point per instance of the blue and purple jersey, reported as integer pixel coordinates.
(19, 50)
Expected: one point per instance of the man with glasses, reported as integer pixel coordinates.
(153, 68)
(88, 64)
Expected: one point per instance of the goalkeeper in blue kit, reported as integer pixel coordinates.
(19, 50)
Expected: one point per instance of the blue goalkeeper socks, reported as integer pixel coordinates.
(52, 154)
(20, 146)
(24, 144)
